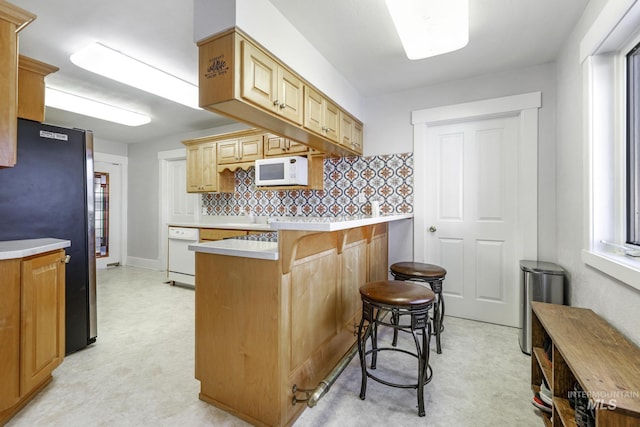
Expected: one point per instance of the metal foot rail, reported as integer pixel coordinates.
(312, 396)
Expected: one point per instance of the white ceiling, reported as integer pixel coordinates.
(357, 36)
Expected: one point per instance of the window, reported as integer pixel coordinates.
(101, 190)
(633, 145)
(609, 164)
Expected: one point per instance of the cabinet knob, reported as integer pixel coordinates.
(282, 106)
(433, 229)
(276, 102)
(66, 259)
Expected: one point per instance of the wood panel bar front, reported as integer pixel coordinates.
(263, 326)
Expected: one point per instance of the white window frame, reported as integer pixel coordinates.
(602, 53)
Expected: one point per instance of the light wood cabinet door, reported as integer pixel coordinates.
(250, 148)
(270, 85)
(194, 170)
(9, 333)
(42, 318)
(245, 149)
(202, 174)
(259, 77)
(228, 152)
(331, 120)
(313, 107)
(357, 137)
(290, 95)
(209, 167)
(350, 133)
(320, 114)
(275, 145)
(12, 20)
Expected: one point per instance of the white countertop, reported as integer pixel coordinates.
(227, 222)
(331, 223)
(300, 223)
(11, 249)
(269, 250)
(241, 248)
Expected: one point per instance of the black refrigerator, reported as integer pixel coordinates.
(49, 193)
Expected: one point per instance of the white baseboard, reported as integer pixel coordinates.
(150, 264)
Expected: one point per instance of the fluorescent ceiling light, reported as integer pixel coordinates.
(77, 104)
(430, 27)
(110, 63)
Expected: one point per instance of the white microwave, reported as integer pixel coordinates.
(281, 171)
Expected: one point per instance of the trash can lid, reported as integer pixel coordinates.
(541, 267)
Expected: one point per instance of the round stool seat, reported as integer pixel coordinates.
(397, 293)
(418, 270)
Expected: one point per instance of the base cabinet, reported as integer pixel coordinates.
(32, 320)
(572, 347)
(266, 327)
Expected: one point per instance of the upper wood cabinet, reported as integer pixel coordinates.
(320, 114)
(240, 79)
(12, 20)
(270, 85)
(350, 132)
(31, 74)
(202, 173)
(211, 160)
(241, 150)
(275, 146)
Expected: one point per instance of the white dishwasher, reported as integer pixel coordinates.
(182, 261)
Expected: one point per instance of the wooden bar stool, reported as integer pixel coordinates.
(433, 275)
(385, 297)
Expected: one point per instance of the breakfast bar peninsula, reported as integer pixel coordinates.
(273, 317)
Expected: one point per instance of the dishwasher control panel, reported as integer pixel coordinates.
(183, 233)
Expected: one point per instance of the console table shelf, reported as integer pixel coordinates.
(587, 350)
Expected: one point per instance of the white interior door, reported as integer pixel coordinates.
(471, 217)
(115, 239)
(182, 206)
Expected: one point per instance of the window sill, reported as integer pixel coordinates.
(622, 267)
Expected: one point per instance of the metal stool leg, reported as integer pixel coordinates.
(421, 323)
(367, 314)
(438, 312)
(395, 319)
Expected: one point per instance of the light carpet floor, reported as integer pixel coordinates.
(140, 373)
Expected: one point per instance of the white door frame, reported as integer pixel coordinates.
(123, 161)
(525, 107)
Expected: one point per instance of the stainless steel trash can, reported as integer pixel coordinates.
(541, 281)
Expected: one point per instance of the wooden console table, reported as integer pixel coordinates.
(586, 349)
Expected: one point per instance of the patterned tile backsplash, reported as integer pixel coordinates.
(387, 178)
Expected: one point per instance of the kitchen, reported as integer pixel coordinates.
(388, 131)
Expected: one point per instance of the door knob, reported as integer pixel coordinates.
(432, 229)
